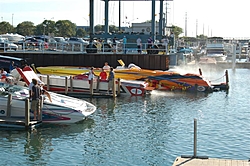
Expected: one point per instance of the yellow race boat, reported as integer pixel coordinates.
(133, 72)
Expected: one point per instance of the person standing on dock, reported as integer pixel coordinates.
(35, 96)
(103, 75)
(111, 79)
(91, 75)
(106, 66)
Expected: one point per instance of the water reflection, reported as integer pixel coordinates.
(39, 144)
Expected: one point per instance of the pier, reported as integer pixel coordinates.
(181, 161)
(195, 160)
(19, 123)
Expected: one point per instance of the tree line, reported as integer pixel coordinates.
(64, 28)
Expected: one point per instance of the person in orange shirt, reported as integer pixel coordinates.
(103, 75)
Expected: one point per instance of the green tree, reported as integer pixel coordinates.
(47, 27)
(176, 30)
(81, 32)
(5, 27)
(99, 28)
(65, 28)
(26, 28)
(113, 28)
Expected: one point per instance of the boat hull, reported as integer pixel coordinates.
(80, 84)
(121, 73)
(62, 109)
(189, 82)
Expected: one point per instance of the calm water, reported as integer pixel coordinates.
(143, 131)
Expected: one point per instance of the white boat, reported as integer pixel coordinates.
(12, 37)
(63, 109)
(80, 83)
(217, 51)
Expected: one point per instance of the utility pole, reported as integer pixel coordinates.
(186, 24)
(119, 15)
(12, 18)
(196, 28)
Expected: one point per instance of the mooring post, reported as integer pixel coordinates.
(114, 89)
(119, 86)
(234, 57)
(41, 108)
(27, 113)
(71, 84)
(66, 85)
(227, 79)
(195, 138)
(48, 82)
(200, 71)
(91, 87)
(97, 84)
(9, 102)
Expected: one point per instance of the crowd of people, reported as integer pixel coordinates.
(103, 76)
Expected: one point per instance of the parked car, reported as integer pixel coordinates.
(77, 40)
(77, 44)
(33, 43)
(59, 43)
(7, 45)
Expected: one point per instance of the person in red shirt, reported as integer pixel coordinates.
(103, 75)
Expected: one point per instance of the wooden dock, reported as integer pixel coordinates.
(19, 122)
(194, 160)
(180, 161)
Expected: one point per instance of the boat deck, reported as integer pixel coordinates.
(18, 123)
(180, 161)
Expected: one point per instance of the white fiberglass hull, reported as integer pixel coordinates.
(58, 84)
(62, 109)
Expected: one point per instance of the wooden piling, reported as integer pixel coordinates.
(195, 138)
(119, 86)
(200, 71)
(27, 113)
(48, 82)
(91, 87)
(114, 88)
(9, 102)
(227, 79)
(71, 83)
(66, 85)
(41, 108)
(98, 84)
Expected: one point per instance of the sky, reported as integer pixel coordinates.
(228, 19)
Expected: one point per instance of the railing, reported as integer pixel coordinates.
(119, 48)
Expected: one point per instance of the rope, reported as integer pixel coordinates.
(217, 78)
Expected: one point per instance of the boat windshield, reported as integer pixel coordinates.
(16, 91)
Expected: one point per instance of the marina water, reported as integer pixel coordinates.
(151, 130)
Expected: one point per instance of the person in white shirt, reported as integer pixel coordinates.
(91, 74)
(138, 42)
(3, 72)
(106, 66)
